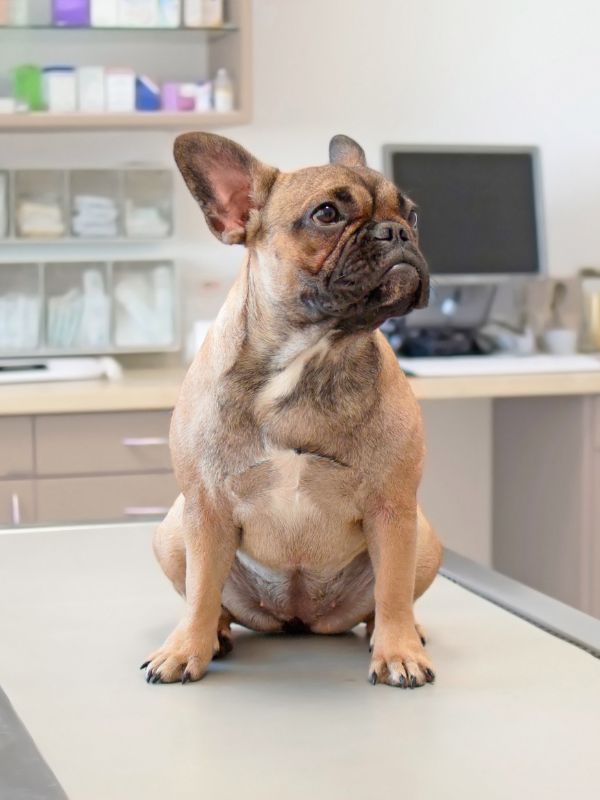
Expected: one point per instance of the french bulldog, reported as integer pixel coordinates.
(296, 439)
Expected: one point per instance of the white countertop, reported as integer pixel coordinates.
(156, 389)
(513, 712)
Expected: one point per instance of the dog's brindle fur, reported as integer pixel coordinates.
(296, 440)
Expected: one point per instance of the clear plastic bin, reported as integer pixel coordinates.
(78, 306)
(144, 296)
(40, 204)
(148, 201)
(20, 308)
(95, 204)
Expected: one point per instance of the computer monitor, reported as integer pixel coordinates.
(479, 208)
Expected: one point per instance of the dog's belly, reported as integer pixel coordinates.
(302, 558)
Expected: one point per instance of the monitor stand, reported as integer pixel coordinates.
(449, 326)
(423, 342)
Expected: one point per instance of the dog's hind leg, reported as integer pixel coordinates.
(429, 555)
(169, 547)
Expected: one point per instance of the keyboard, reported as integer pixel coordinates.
(451, 366)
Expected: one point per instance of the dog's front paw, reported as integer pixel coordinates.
(184, 657)
(400, 660)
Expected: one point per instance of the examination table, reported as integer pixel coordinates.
(514, 712)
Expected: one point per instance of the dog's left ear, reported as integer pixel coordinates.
(226, 181)
(345, 151)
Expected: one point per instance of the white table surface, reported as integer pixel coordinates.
(513, 714)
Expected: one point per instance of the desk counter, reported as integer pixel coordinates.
(155, 389)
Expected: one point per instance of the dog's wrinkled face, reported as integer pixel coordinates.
(337, 243)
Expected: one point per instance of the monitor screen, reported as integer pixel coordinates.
(476, 210)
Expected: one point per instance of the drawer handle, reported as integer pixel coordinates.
(145, 441)
(15, 504)
(144, 511)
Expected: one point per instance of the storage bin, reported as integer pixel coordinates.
(95, 204)
(144, 304)
(77, 307)
(40, 204)
(148, 200)
(20, 308)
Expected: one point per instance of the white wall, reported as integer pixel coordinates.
(440, 71)
(418, 71)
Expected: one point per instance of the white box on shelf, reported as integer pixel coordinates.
(90, 89)
(120, 89)
(138, 13)
(104, 13)
(60, 89)
(169, 13)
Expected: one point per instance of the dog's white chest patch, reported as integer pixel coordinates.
(295, 359)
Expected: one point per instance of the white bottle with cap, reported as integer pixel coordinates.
(223, 91)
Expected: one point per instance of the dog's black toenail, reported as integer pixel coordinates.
(186, 677)
(402, 682)
(144, 665)
(423, 641)
(373, 678)
(430, 675)
(156, 677)
(370, 648)
(149, 675)
(413, 681)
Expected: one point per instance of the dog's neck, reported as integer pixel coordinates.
(274, 338)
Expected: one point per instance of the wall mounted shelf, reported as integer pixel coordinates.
(182, 120)
(164, 54)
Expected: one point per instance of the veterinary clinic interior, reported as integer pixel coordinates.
(484, 117)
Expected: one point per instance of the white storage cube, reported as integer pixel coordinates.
(40, 204)
(148, 199)
(19, 308)
(95, 203)
(78, 306)
(145, 297)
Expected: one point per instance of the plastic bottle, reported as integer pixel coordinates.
(223, 91)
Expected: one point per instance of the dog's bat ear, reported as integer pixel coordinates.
(226, 181)
(345, 151)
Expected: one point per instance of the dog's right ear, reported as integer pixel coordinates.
(226, 181)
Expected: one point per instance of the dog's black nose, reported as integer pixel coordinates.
(390, 231)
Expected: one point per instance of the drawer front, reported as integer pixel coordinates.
(17, 506)
(105, 498)
(16, 446)
(596, 422)
(96, 443)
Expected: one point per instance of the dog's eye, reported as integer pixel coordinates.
(413, 219)
(326, 214)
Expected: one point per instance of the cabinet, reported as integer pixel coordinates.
(17, 503)
(78, 468)
(546, 526)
